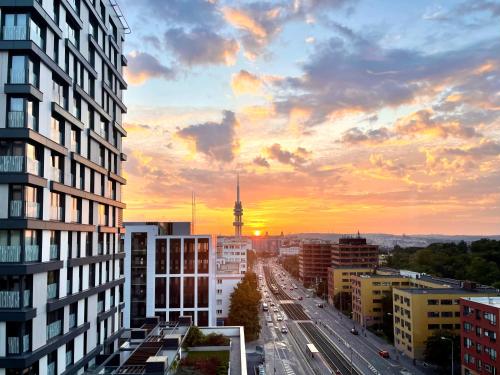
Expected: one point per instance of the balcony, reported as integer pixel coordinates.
(23, 77)
(24, 209)
(15, 119)
(52, 291)
(17, 346)
(11, 299)
(19, 164)
(72, 320)
(56, 213)
(54, 329)
(100, 306)
(12, 253)
(22, 33)
(54, 251)
(55, 174)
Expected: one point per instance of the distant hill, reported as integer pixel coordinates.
(388, 241)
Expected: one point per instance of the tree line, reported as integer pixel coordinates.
(478, 261)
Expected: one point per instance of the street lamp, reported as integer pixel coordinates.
(450, 340)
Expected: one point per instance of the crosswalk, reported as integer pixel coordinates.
(288, 369)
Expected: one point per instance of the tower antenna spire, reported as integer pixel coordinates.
(238, 210)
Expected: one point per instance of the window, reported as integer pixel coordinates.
(23, 70)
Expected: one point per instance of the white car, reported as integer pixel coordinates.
(284, 329)
(279, 317)
(276, 310)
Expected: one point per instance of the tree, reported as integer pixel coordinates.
(244, 306)
(438, 351)
(291, 264)
(251, 259)
(343, 302)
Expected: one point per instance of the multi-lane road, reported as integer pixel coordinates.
(341, 351)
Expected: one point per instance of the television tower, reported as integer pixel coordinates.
(238, 210)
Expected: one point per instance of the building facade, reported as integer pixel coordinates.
(231, 268)
(421, 312)
(61, 274)
(480, 330)
(354, 252)
(287, 251)
(340, 280)
(314, 260)
(169, 273)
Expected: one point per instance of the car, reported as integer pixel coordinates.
(320, 305)
(384, 354)
(300, 298)
(272, 304)
(276, 309)
(284, 329)
(354, 331)
(279, 317)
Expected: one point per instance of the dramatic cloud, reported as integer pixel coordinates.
(142, 66)
(216, 140)
(424, 122)
(357, 136)
(296, 158)
(353, 74)
(201, 46)
(244, 82)
(261, 161)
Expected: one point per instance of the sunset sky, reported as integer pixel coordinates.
(339, 115)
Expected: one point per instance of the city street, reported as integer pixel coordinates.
(361, 349)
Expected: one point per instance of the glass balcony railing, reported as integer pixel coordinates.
(54, 251)
(52, 291)
(12, 253)
(72, 320)
(54, 329)
(69, 358)
(9, 163)
(24, 209)
(9, 299)
(55, 174)
(23, 77)
(56, 213)
(23, 33)
(15, 119)
(17, 346)
(51, 368)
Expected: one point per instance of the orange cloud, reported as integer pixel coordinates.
(239, 19)
(244, 82)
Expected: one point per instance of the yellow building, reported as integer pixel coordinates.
(367, 294)
(340, 279)
(421, 312)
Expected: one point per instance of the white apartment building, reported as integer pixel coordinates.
(285, 251)
(168, 273)
(61, 133)
(231, 268)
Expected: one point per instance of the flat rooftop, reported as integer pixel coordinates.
(446, 291)
(488, 301)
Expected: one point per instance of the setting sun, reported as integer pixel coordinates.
(256, 232)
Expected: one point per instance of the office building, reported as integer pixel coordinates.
(61, 159)
(314, 260)
(231, 268)
(169, 273)
(287, 251)
(354, 252)
(340, 281)
(480, 331)
(420, 312)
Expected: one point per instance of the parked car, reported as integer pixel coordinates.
(354, 331)
(284, 329)
(384, 354)
(320, 305)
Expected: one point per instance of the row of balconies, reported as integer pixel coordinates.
(28, 209)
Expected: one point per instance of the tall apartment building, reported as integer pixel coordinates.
(422, 311)
(231, 267)
(354, 252)
(60, 184)
(314, 260)
(168, 273)
(480, 333)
